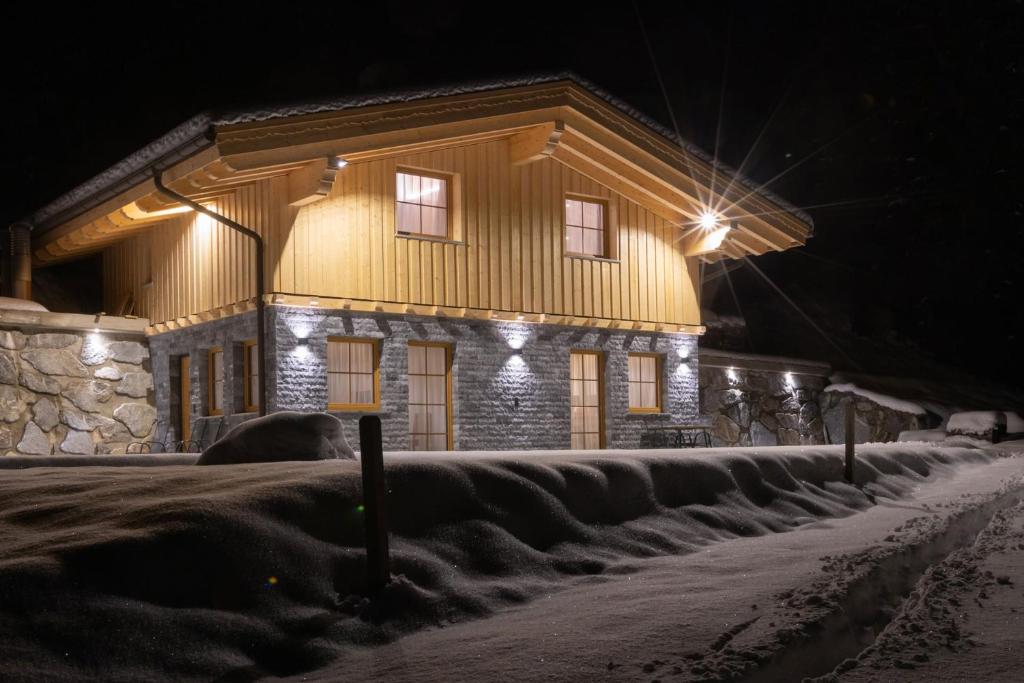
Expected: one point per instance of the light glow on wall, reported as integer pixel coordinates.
(516, 336)
(732, 375)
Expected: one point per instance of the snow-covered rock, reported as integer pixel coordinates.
(14, 304)
(979, 424)
(279, 437)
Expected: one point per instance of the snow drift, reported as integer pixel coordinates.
(242, 572)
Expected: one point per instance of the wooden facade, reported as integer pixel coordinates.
(506, 255)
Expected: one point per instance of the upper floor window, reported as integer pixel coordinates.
(352, 379)
(422, 204)
(586, 227)
(216, 384)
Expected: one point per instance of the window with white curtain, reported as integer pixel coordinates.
(422, 204)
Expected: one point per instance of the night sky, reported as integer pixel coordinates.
(896, 124)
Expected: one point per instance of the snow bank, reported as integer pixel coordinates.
(279, 437)
(1014, 422)
(257, 570)
(922, 435)
(881, 399)
(14, 304)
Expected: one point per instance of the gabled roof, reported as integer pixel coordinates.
(223, 139)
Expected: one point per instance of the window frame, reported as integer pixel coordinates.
(212, 380)
(600, 394)
(449, 355)
(449, 184)
(248, 405)
(355, 407)
(658, 383)
(606, 229)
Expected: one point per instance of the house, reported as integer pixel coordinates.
(513, 264)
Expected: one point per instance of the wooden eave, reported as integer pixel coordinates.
(560, 120)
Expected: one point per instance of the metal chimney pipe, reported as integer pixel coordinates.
(21, 260)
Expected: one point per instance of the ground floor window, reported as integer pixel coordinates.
(251, 376)
(585, 400)
(429, 397)
(644, 383)
(216, 381)
(353, 379)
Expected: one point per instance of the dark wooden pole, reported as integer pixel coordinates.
(371, 454)
(850, 438)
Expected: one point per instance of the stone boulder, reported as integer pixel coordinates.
(54, 362)
(8, 368)
(137, 417)
(128, 352)
(284, 436)
(34, 441)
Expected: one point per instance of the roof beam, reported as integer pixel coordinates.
(535, 144)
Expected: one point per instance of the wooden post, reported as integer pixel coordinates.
(850, 437)
(371, 454)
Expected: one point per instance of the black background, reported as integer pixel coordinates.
(898, 124)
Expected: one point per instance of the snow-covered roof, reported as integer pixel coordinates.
(196, 133)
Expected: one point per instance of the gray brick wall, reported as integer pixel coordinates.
(502, 399)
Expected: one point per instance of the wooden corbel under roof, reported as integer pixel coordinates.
(562, 118)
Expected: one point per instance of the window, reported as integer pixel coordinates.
(352, 376)
(422, 203)
(216, 378)
(644, 383)
(585, 399)
(429, 397)
(586, 227)
(251, 376)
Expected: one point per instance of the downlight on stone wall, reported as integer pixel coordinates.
(72, 391)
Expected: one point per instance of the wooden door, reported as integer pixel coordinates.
(185, 419)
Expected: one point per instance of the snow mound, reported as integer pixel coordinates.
(1014, 422)
(279, 437)
(239, 573)
(14, 304)
(881, 399)
(980, 424)
(922, 435)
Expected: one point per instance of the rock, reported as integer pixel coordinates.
(46, 414)
(137, 417)
(89, 395)
(730, 397)
(108, 372)
(6, 437)
(789, 437)
(281, 437)
(8, 368)
(12, 339)
(726, 430)
(808, 412)
(12, 405)
(54, 362)
(94, 351)
(788, 421)
(34, 441)
(128, 352)
(38, 382)
(740, 414)
(87, 422)
(135, 384)
(762, 436)
(52, 340)
(78, 442)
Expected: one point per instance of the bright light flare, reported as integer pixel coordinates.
(708, 220)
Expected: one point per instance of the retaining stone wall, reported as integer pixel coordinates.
(73, 392)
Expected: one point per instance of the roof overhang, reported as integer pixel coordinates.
(562, 119)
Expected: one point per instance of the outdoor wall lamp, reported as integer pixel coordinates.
(337, 163)
(708, 220)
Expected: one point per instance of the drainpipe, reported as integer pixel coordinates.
(260, 305)
(21, 260)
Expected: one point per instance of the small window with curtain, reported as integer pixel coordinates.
(352, 374)
(586, 227)
(644, 383)
(422, 202)
(216, 381)
(251, 376)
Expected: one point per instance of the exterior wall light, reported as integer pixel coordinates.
(708, 220)
(336, 163)
(683, 352)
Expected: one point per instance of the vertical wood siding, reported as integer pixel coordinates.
(508, 255)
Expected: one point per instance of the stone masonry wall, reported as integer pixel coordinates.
(871, 422)
(73, 392)
(502, 399)
(760, 407)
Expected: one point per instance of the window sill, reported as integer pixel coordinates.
(585, 257)
(428, 238)
(647, 413)
(369, 410)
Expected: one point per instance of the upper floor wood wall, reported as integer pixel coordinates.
(509, 256)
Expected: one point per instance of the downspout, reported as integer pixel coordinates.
(260, 305)
(21, 260)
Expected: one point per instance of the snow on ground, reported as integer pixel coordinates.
(883, 400)
(975, 422)
(509, 566)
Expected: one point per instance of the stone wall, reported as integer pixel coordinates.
(503, 398)
(72, 391)
(751, 403)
